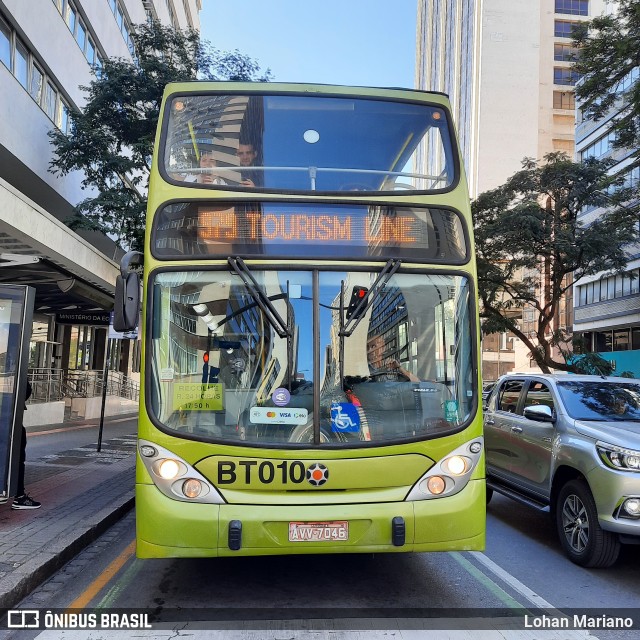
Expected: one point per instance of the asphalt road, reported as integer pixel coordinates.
(523, 567)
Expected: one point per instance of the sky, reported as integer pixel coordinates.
(352, 42)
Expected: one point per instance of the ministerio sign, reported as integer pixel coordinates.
(92, 318)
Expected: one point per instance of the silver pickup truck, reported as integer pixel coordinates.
(569, 444)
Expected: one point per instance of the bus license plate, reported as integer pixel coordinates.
(318, 531)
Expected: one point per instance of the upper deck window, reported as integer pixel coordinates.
(298, 143)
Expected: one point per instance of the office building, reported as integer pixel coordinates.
(48, 49)
(607, 306)
(506, 67)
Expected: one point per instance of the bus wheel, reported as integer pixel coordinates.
(583, 539)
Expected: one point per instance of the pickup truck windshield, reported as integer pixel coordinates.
(602, 400)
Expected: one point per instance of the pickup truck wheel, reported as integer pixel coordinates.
(581, 536)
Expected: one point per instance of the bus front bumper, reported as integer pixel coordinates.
(172, 529)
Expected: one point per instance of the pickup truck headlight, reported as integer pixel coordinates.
(619, 457)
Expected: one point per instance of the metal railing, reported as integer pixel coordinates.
(50, 385)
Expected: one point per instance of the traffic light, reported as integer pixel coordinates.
(205, 367)
(357, 295)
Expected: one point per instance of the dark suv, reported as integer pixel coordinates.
(569, 444)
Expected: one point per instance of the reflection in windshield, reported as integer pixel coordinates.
(306, 143)
(225, 371)
(601, 400)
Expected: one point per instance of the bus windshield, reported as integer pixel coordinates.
(307, 143)
(261, 356)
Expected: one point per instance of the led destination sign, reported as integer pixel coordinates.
(305, 230)
(304, 227)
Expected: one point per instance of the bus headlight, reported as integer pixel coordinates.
(436, 485)
(176, 478)
(456, 465)
(192, 488)
(449, 475)
(168, 469)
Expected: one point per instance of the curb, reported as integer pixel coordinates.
(18, 584)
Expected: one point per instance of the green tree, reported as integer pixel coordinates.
(531, 225)
(111, 139)
(609, 47)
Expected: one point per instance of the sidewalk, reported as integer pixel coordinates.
(83, 493)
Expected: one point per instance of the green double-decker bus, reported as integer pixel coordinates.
(310, 326)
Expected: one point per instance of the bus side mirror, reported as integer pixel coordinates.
(127, 303)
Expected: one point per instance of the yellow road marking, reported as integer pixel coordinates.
(98, 584)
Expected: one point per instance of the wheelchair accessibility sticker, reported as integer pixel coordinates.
(344, 417)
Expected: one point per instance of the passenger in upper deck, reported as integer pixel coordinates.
(207, 161)
(247, 155)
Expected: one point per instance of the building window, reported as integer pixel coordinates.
(50, 98)
(78, 29)
(629, 80)
(31, 76)
(564, 100)
(610, 288)
(70, 15)
(5, 45)
(62, 119)
(635, 281)
(621, 340)
(603, 341)
(91, 51)
(565, 75)
(37, 81)
(563, 28)
(573, 7)
(21, 64)
(123, 23)
(564, 52)
(81, 35)
(600, 147)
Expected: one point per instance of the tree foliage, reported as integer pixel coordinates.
(111, 139)
(529, 231)
(609, 51)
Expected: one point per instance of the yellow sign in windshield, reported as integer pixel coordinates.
(194, 396)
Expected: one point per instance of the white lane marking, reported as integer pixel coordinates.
(513, 582)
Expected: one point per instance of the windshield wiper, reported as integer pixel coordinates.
(282, 327)
(274, 318)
